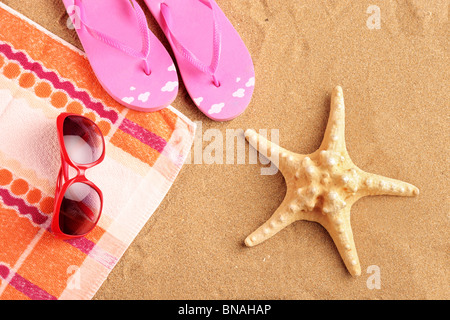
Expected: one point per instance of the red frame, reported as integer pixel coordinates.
(63, 182)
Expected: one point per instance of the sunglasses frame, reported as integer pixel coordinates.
(63, 175)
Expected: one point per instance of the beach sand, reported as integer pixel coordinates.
(396, 89)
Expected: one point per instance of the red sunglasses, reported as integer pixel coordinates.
(78, 202)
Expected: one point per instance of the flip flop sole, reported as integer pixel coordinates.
(192, 23)
(120, 74)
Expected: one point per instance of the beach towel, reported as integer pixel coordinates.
(42, 76)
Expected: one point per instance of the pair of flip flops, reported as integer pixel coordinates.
(135, 68)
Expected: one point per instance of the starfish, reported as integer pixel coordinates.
(323, 186)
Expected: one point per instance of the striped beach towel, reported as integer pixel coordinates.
(40, 77)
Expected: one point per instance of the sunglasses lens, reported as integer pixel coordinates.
(80, 209)
(83, 140)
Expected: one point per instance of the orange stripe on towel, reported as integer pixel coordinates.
(135, 147)
(43, 263)
(152, 121)
(14, 224)
(12, 293)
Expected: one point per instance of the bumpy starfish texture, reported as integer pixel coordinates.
(323, 186)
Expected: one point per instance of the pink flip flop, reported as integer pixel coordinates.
(129, 61)
(214, 63)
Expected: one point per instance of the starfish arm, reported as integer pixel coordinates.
(281, 157)
(334, 137)
(339, 227)
(282, 217)
(373, 184)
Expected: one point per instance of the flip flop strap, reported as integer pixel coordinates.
(186, 53)
(143, 28)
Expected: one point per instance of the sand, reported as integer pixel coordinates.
(395, 82)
